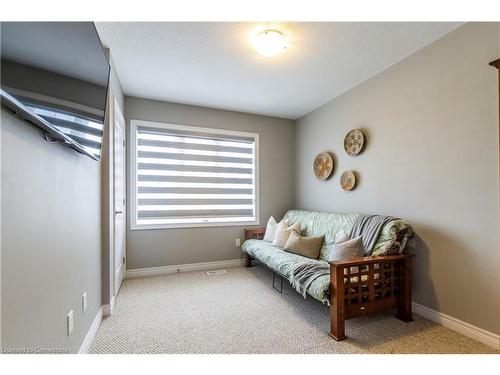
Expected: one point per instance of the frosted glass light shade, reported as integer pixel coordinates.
(270, 43)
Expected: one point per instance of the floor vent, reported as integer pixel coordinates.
(216, 272)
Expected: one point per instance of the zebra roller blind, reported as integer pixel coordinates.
(189, 176)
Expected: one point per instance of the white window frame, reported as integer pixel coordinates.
(134, 124)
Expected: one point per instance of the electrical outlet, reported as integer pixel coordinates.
(69, 321)
(84, 302)
(238, 242)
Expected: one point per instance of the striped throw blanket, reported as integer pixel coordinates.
(302, 276)
(369, 226)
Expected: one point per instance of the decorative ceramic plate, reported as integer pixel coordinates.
(348, 180)
(354, 142)
(323, 165)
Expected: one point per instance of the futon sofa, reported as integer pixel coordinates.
(357, 286)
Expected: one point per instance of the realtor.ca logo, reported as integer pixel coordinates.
(35, 350)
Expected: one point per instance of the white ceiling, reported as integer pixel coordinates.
(214, 65)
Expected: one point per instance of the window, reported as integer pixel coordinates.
(184, 176)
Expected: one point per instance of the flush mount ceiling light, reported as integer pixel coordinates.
(270, 43)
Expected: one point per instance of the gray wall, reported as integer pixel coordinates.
(432, 158)
(51, 239)
(161, 247)
(54, 247)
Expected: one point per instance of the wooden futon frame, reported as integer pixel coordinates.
(362, 286)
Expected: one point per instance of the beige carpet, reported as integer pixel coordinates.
(240, 312)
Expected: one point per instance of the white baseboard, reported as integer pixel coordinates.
(91, 333)
(153, 271)
(107, 310)
(457, 325)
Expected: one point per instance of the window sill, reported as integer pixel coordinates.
(193, 225)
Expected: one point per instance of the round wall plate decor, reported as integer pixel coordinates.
(348, 180)
(323, 165)
(354, 142)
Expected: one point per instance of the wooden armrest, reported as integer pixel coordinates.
(255, 233)
(366, 285)
(349, 262)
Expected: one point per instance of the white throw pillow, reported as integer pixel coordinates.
(272, 227)
(282, 234)
(347, 249)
